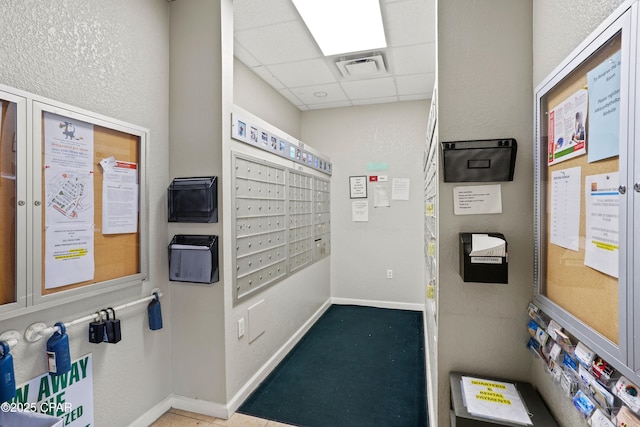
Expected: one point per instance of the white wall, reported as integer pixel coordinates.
(558, 28)
(256, 96)
(291, 305)
(484, 81)
(393, 237)
(111, 58)
(198, 365)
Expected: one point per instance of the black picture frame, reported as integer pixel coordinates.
(358, 187)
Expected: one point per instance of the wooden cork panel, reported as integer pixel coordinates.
(115, 255)
(586, 293)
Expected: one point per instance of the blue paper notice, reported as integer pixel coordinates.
(604, 109)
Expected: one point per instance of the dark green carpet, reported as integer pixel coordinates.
(357, 366)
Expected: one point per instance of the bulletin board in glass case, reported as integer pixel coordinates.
(577, 198)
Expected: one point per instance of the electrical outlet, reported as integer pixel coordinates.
(389, 274)
(241, 327)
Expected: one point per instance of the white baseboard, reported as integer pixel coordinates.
(266, 369)
(153, 414)
(430, 382)
(211, 409)
(379, 304)
(203, 407)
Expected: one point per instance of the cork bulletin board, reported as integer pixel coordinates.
(109, 254)
(585, 292)
(8, 205)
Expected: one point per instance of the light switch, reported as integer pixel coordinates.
(241, 327)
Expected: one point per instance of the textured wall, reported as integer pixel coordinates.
(558, 28)
(392, 239)
(484, 91)
(110, 57)
(103, 56)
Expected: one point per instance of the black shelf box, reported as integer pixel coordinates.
(487, 268)
(193, 258)
(487, 160)
(193, 199)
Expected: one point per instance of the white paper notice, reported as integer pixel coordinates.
(360, 211)
(400, 189)
(599, 419)
(69, 196)
(477, 199)
(495, 400)
(68, 143)
(485, 245)
(69, 254)
(602, 229)
(69, 201)
(380, 196)
(565, 208)
(119, 197)
(358, 187)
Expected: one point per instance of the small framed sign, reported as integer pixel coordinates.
(358, 187)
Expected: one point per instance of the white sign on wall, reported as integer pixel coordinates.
(477, 199)
(68, 396)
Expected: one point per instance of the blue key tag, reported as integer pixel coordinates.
(7, 377)
(58, 355)
(155, 314)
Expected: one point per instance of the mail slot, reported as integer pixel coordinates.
(483, 258)
(484, 160)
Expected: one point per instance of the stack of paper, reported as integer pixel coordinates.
(190, 263)
(485, 245)
(494, 399)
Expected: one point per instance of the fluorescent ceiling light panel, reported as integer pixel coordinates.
(343, 26)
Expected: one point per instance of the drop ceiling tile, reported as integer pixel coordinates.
(291, 97)
(271, 40)
(414, 59)
(410, 22)
(279, 43)
(251, 13)
(307, 95)
(303, 73)
(360, 89)
(414, 84)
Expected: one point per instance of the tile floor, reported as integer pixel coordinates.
(179, 418)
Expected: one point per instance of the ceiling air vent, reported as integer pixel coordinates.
(364, 67)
